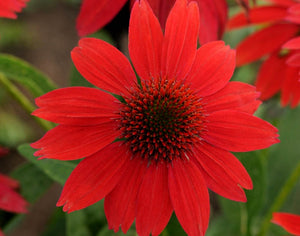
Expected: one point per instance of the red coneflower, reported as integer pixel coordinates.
(8, 8)
(94, 14)
(9, 199)
(280, 70)
(166, 138)
(290, 222)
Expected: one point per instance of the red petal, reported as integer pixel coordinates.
(234, 96)
(213, 17)
(189, 196)
(145, 43)
(257, 15)
(154, 207)
(11, 201)
(270, 76)
(77, 106)
(294, 60)
(94, 14)
(75, 142)
(222, 171)
(289, 222)
(103, 65)
(294, 14)
(9, 8)
(292, 44)
(213, 67)
(238, 131)
(95, 177)
(291, 87)
(120, 204)
(180, 42)
(9, 182)
(265, 41)
(1, 233)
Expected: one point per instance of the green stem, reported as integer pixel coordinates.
(23, 101)
(280, 199)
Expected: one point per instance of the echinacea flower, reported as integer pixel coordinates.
(94, 14)
(278, 41)
(10, 200)
(290, 222)
(167, 138)
(9, 8)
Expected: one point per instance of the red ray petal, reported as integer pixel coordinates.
(77, 106)
(234, 96)
(213, 17)
(294, 60)
(145, 43)
(95, 177)
(265, 41)
(257, 15)
(1, 233)
(222, 171)
(180, 42)
(103, 65)
(213, 67)
(11, 201)
(9, 8)
(271, 75)
(94, 14)
(238, 131)
(189, 196)
(291, 87)
(5, 180)
(75, 142)
(289, 222)
(120, 204)
(292, 44)
(154, 207)
(294, 14)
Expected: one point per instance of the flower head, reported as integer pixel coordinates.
(168, 136)
(94, 14)
(279, 42)
(289, 222)
(8, 8)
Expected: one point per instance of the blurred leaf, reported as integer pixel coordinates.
(57, 170)
(220, 226)
(25, 74)
(174, 227)
(284, 157)
(13, 130)
(77, 225)
(57, 224)
(254, 162)
(33, 182)
(87, 221)
(107, 232)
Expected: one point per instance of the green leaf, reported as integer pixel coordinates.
(25, 74)
(283, 158)
(33, 182)
(57, 224)
(57, 170)
(87, 221)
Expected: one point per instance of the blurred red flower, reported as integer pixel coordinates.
(277, 41)
(9, 8)
(9, 199)
(94, 14)
(169, 139)
(290, 222)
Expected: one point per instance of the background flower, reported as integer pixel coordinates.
(280, 70)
